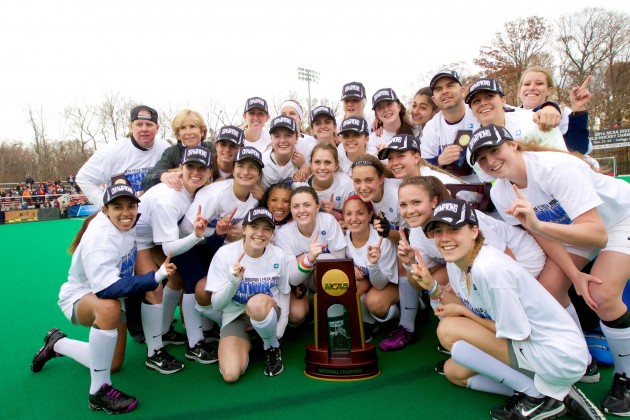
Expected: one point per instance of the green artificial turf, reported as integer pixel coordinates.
(36, 263)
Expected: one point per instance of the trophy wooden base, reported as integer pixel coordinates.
(361, 364)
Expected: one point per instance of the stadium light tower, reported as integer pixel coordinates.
(310, 76)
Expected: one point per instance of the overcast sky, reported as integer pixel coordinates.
(171, 54)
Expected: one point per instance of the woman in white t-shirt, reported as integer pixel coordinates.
(374, 265)
(162, 208)
(101, 273)
(574, 213)
(391, 114)
(305, 143)
(256, 115)
(324, 125)
(535, 88)
(249, 283)
(309, 236)
(508, 324)
(333, 187)
(422, 109)
(283, 160)
(354, 135)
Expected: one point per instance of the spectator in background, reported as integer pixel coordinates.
(29, 180)
(26, 196)
(70, 180)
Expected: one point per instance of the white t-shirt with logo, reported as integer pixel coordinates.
(104, 255)
(389, 203)
(293, 242)
(387, 262)
(562, 187)
(268, 274)
(545, 338)
(273, 173)
(341, 188)
(119, 157)
(161, 208)
(217, 200)
(262, 144)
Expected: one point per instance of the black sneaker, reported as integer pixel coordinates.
(274, 361)
(368, 331)
(521, 406)
(617, 401)
(592, 373)
(439, 367)
(443, 350)
(202, 353)
(581, 407)
(213, 335)
(112, 401)
(174, 337)
(164, 362)
(46, 353)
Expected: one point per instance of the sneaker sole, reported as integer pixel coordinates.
(590, 379)
(622, 414)
(162, 371)
(131, 407)
(274, 374)
(584, 404)
(202, 361)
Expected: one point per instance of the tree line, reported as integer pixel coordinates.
(593, 41)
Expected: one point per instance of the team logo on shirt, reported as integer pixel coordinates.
(469, 126)
(323, 232)
(276, 265)
(552, 212)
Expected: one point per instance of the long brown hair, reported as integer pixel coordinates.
(371, 160)
(432, 185)
(77, 238)
(479, 240)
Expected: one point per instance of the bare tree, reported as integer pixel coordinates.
(42, 164)
(114, 116)
(521, 44)
(84, 126)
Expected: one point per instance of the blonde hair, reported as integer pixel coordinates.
(548, 76)
(479, 240)
(196, 118)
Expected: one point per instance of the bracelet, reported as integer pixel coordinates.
(434, 288)
(305, 266)
(407, 267)
(438, 295)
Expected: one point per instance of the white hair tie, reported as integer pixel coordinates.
(295, 106)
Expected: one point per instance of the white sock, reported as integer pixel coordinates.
(408, 303)
(102, 346)
(485, 384)
(392, 312)
(476, 360)
(170, 299)
(209, 312)
(75, 349)
(266, 329)
(619, 344)
(152, 326)
(574, 316)
(206, 323)
(194, 323)
(367, 316)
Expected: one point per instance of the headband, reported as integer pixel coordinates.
(295, 106)
(356, 197)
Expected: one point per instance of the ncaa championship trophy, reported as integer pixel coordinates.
(340, 352)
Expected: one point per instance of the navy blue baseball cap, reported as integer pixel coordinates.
(283, 121)
(353, 90)
(259, 213)
(487, 136)
(456, 213)
(484, 84)
(354, 124)
(249, 152)
(231, 134)
(256, 102)
(197, 154)
(451, 74)
(399, 143)
(382, 95)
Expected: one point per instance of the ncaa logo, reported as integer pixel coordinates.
(276, 265)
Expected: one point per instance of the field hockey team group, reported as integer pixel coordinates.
(232, 230)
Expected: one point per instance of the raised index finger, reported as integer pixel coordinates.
(403, 236)
(168, 258)
(199, 210)
(231, 215)
(380, 242)
(240, 258)
(518, 193)
(586, 82)
(314, 241)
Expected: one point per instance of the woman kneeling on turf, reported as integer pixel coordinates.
(510, 335)
(104, 253)
(249, 282)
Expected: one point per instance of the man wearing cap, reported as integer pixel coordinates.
(354, 134)
(279, 161)
(256, 115)
(190, 130)
(133, 157)
(455, 121)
